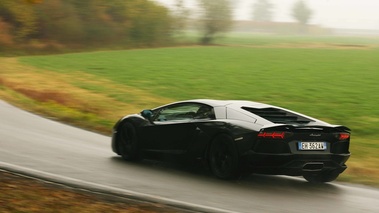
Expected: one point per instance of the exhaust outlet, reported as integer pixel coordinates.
(313, 167)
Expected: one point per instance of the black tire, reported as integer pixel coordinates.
(223, 158)
(127, 142)
(322, 177)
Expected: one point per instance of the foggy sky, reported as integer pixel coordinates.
(354, 14)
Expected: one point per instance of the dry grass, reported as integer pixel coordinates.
(362, 167)
(36, 90)
(20, 194)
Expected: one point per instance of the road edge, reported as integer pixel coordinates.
(107, 190)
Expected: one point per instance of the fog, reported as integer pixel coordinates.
(346, 14)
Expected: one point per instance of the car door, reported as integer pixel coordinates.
(173, 129)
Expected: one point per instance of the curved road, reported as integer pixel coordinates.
(46, 149)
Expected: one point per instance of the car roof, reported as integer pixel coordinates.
(237, 105)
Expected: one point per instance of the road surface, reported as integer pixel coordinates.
(43, 148)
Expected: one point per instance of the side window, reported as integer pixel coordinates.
(205, 112)
(187, 111)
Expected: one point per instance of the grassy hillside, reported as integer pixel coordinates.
(335, 83)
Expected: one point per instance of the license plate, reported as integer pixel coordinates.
(312, 145)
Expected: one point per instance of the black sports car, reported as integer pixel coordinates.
(236, 136)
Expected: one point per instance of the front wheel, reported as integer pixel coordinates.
(223, 158)
(322, 177)
(127, 142)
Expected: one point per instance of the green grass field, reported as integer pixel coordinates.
(335, 83)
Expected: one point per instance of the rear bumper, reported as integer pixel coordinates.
(295, 164)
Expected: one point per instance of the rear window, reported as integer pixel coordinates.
(278, 116)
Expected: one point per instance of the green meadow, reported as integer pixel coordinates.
(336, 80)
(340, 86)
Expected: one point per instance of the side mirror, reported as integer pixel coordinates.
(148, 114)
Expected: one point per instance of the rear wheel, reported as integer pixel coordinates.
(223, 158)
(127, 142)
(322, 177)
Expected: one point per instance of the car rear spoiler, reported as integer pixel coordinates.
(288, 127)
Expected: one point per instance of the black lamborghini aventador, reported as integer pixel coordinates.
(234, 137)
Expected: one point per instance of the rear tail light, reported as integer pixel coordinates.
(343, 136)
(272, 135)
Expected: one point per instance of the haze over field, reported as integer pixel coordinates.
(352, 14)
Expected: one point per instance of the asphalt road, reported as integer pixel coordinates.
(46, 149)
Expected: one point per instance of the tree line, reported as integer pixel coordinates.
(74, 23)
(105, 23)
(262, 11)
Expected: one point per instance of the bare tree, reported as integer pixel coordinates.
(262, 10)
(216, 17)
(301, 12)
(180, 16)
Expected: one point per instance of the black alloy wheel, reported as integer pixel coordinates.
(223, 158)
(127, 142)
